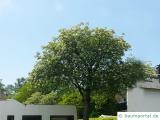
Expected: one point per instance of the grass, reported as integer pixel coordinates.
(110, 118)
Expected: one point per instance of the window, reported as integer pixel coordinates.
(31, 117)
(59, 117)
(10, 117)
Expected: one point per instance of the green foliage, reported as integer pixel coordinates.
(99, 100)
(19, 83)
(34, 99)
(39, 98)
(73, 98)
(80, 57)
(86, 59)
(109, 118)
(2, 87)
(24, 92)
(133, 70)
(103, 104)
(10, 90)
(150, 72)
(49, 99)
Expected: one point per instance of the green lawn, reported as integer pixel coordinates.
(110, 118)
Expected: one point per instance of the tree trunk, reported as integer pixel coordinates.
(87, 101)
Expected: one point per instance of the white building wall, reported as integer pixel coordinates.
(12, 107)
(143, 100)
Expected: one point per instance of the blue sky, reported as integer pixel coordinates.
(26, 25)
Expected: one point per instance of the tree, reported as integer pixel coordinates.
(88, 60)
(19, 83)
(23, 93)
(10, 90)
(34, 99)
(103, 104)
(2, 88)
(73, 98)
(49, 99)
(39, 98)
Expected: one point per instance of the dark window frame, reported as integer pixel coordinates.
(62, 116)
(8, 117)
(31, 116)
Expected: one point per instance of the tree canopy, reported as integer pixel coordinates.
(86, 59)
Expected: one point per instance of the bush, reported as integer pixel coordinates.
(110, 118)
(73, 98)
(103, 104)
(39, 98)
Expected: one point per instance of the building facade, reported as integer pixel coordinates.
(144, 97)
(13, 110)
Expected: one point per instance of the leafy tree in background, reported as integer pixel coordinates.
(19, 83)
(23, 93)
(49, 99)
(2, 90)
(103, 104)
(89, 60)
(73, 98)
(39, 98)
(10, 90)
(34, 99)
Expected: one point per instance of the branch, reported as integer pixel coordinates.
(78, 87)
